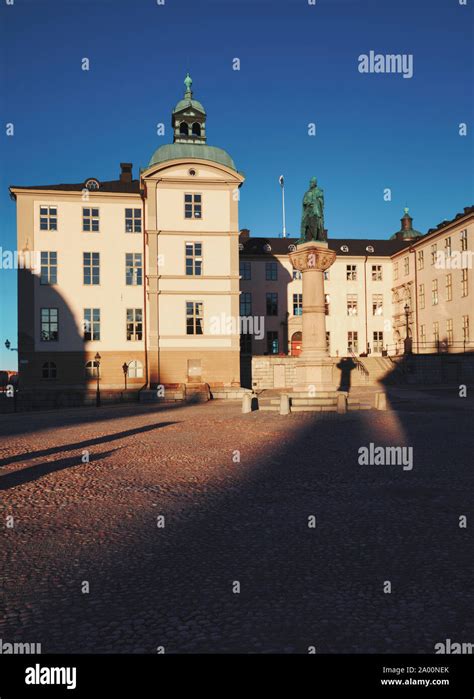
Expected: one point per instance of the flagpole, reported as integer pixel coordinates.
(282, 184)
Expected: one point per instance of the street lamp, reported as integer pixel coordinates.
(97, 359)
(125, 373)
(407, 330)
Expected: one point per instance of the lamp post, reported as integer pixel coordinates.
(125, 373)
(97, 359)
(407, 329)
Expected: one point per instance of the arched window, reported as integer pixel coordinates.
(196, 129)
(183, 129)
(49, 370)
(92, 369)
(135, 369)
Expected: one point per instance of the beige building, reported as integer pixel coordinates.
(147, 281)
(142, 272)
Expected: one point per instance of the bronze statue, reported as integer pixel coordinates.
(312, 219)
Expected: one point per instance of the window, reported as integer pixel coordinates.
(91, 324)
(377, 304)
(327, 302)
(192, 206)
(183, 129)
(135, 369)
(352, 342)
(271, 271)
(351, 273)
(196, 129)
(423, 335)
(326, 275)
(421, 259)
(90, 220)
(434, 248)
(351, 304)
(272, 342)
(406, 265)
(449, 287)
(48, 218)
(449, 331)
(49, 268)
(436, 332)
(376, 273)
(133, 220)
(377, 341)
(395, 270)
(91, 267)
(48, 370)
(193, 259)
(92, 185)
(194, 318)
(464, 287)
(246, 343)
(422, 295)
(245, 270)
(272, 303)
(465, 328)
(447, 246)
(134, 326)
(297, 274)
(434, 292)
(246, 303)
(49, 325)
(133, 269)
(297, 304)
(92, 369)
(463, 240)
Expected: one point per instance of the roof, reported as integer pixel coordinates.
(467, 210)
(355, 247)
(188, 103)
(111, 187)
(190, 151)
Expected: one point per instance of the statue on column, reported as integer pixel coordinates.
(312, 219)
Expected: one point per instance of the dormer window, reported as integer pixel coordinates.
(92, 185)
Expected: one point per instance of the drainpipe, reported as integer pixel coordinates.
(145, 240)
(412, 249)
(365, 296)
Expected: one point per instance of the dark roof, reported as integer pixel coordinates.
(113, 187)
(467, 210)
(358, 247)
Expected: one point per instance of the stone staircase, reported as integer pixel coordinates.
(322, 402)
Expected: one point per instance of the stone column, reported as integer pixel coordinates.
(314, 367)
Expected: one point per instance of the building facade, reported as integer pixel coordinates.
(147, 282)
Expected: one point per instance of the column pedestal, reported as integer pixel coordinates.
(314, 370)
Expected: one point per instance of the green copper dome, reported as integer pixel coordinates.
(188, 103)
(406, 232)
(178, 151)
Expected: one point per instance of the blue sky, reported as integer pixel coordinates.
(299, 65)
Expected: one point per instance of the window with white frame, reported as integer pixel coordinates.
(135, 369)
(449, 331)
(133, 269)
(134, 324)
(376, 273)
(48, 218)
(245, 269)
(91, 324)
(406, 265)
(449, 287)
(434, 249)
(351, 273)
(91, 268)
(464, 240)
(49, 268)
(193, 259)
(194, 318)
(377, 304)
(90, 220)
(133, 220)
(193, 206)
(297, 304)
(245, 303)
(465, 328)
(377, 341)
(421, 294)
(421, 259)
(434, 292)
(464, 283)
(92, 369)
(351, 304)
(49, 324)
(352, 341)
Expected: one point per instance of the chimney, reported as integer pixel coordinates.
(244, 233)
(126, 172)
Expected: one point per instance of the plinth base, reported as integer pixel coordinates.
(315, 375)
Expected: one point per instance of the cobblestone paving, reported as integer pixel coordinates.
(228, 521)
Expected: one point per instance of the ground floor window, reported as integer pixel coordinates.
(378, 341)
(272, 342)
(49, 371)
(92, 369)
(352, 342)
(135, 369)
(246, 343)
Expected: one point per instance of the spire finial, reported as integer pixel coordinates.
(406, 210)
(188, 81)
